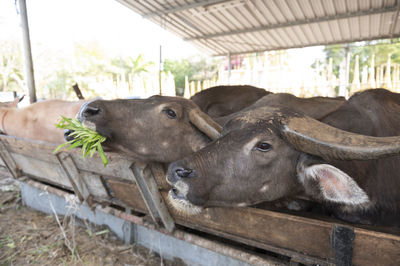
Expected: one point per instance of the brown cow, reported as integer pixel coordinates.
(37, 121)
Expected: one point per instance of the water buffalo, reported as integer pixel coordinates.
(315, 107)
(272, 153)
(156, 129)
(37, 121)
(224, 100)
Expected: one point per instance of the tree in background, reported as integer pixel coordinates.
(195, 68)
(11, 78)
(381, 49)
(129, 67)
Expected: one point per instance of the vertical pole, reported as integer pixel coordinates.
(229, 68)
(160, 68)
(347, 53)
(27, 51)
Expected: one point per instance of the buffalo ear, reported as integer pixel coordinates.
(14, 103)
(334, 184)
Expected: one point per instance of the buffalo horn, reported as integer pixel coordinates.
(205, 124)
(311, 136)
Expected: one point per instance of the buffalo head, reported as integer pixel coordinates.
(267, 154)
(159, 128)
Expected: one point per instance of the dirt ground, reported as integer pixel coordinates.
(28, 237)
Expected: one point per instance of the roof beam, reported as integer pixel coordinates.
(379, 37)
(395, 19)
(296, 23)
(184, 7)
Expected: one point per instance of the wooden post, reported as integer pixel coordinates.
(387, 81)
(30, 79)
(78, 92)
(347, 52)
(371, 81)
(355, 86)
(160, 68)
(229, 68)
(149, 191)
(186, 92)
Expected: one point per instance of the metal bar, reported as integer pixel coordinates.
(395, 19)
(69, 168)
(9, 161)
(30, 78)
(149, 190)
(295, 23)
(342, 244)
(184, 7)
(312, 44)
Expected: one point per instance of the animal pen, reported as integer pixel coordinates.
(130, 198)
(134, 195)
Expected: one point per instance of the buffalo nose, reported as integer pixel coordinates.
(90, 111)
(183, 173)
(67, 134)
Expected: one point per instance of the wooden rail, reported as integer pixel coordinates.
(305, 240)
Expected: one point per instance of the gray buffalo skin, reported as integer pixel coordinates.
(315, 107)
(224, 100)
(157, 129)
(253, 162)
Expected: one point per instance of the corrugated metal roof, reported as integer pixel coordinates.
(220, 27)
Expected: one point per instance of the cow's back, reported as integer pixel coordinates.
(38, 121)
(224, 100)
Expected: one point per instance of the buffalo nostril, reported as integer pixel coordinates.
(67, 134)
(183, 172)
(90, 111)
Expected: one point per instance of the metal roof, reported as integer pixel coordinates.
(220, 27)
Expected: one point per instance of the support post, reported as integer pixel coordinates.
(229, 68)
(30, 79)
(71, 171)
(160, 69)
(149, 191)
(342, 245)
(9, 161)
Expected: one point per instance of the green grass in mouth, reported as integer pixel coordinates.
(89, 140)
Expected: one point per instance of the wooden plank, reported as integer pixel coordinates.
(149, 191)
(95, 185)
(375, 248)
(50, 172)
(279, 232)
(70, 170)
(282, 233)
(310, 237)
(9, 161)
(117, 165)
(127, 192)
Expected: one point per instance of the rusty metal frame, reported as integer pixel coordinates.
(148, 188)
(8, 160)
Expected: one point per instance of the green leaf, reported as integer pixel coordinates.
(89, 140)
(102, 155)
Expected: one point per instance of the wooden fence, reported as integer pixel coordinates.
(307, 82)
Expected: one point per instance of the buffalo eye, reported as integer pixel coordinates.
(170, 113)
(263, 146)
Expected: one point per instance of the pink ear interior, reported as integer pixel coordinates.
(333, 186)
(336, 185)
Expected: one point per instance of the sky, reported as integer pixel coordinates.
(120, 31)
